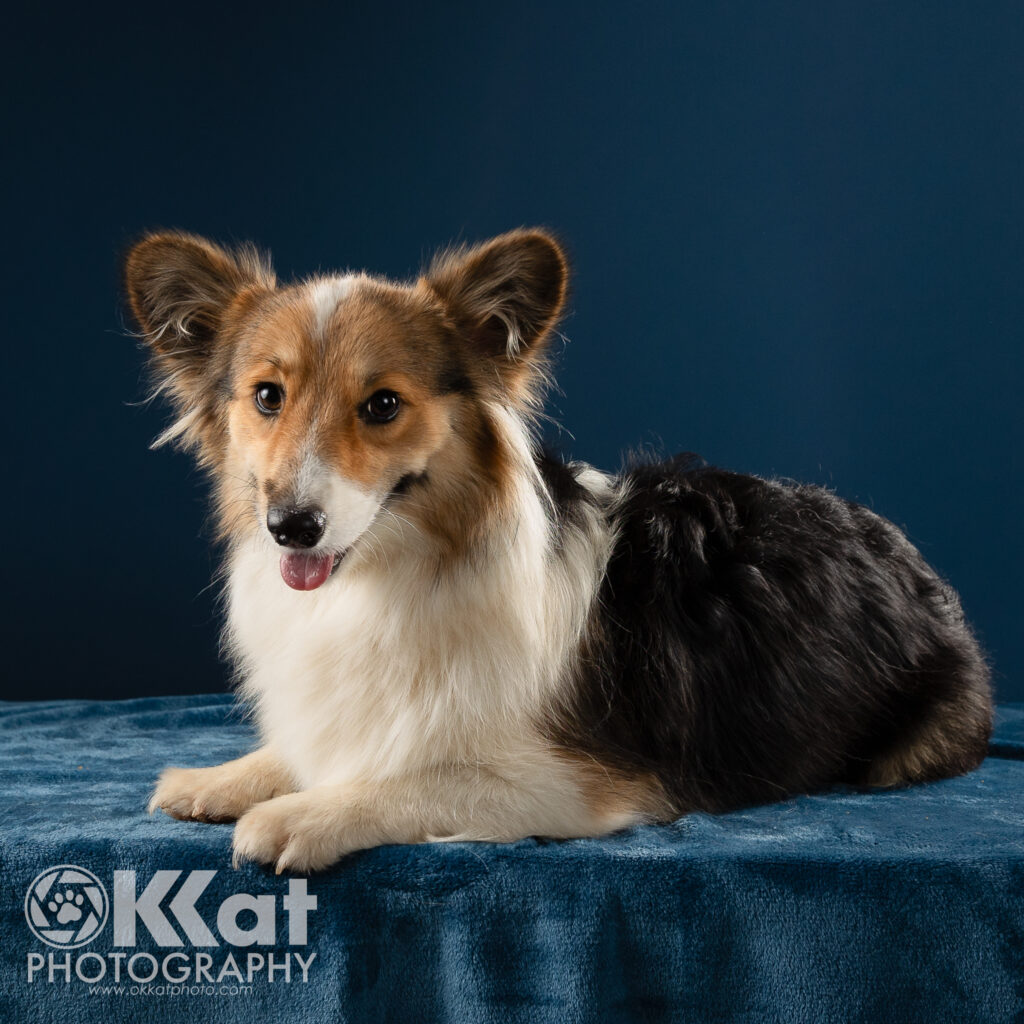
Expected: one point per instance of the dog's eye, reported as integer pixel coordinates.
(269, 398)
(381, 407)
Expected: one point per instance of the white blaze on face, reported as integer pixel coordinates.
(347, 509)
(324, 296)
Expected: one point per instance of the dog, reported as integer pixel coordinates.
(445, 632)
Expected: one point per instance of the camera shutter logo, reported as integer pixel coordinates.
(66, 906)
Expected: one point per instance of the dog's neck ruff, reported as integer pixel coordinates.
(401, 660)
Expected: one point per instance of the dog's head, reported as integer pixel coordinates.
(321, 405)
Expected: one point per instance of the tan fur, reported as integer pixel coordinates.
(614, 796)
(326, 378)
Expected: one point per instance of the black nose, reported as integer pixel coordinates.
(296, 527)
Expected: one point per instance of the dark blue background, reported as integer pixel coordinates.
(797, 233)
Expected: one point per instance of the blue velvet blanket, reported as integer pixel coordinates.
(901, 906)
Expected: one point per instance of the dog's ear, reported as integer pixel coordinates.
(505, 297)
(180, 288)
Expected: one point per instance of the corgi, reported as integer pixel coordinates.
(445, 632)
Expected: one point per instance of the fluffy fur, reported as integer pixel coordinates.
(446, 633)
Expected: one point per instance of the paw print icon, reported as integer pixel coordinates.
(66, 906)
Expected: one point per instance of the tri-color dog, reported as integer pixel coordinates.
(445, 633)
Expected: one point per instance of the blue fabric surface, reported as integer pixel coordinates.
(903, 906)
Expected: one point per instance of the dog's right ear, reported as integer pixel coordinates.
(180, 288)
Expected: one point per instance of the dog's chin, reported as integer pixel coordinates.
(309, 570)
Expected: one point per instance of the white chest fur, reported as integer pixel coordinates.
(384, 672)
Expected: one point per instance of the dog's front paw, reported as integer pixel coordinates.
(199, 794)
(300, 832)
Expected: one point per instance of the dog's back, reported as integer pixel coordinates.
(754, 639)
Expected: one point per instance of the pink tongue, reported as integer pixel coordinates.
(306, 572)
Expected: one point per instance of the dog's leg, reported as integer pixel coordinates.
(224, 792)
(311, 830)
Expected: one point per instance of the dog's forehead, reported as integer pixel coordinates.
(348, 323)
(324, 296)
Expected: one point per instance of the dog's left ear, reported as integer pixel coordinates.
(505, 297)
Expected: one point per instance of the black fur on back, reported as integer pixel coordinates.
(754, 639)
